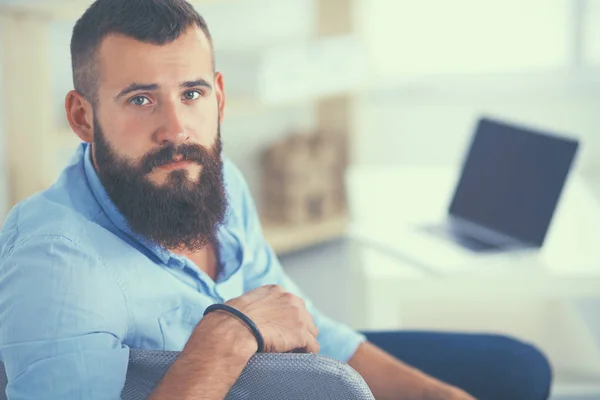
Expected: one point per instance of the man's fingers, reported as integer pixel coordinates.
(312, 328)
(312, 345)
(282, 317)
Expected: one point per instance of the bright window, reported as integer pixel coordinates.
(408, 37)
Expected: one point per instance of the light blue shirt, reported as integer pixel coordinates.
(78, 289)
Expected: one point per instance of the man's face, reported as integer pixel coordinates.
(157, 144)
(153, 96)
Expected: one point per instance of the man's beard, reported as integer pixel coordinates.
(181, 213)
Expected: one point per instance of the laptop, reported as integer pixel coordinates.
(508, 190)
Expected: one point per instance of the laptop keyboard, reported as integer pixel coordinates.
(472, 243)
(464, 240)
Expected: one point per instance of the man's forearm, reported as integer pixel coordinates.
(390, 379)
(210, 364)
(199, 378)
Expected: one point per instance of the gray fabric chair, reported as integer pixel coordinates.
(266, 377)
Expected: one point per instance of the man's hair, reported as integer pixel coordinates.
(151, 21)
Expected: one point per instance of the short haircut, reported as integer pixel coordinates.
(151, 21)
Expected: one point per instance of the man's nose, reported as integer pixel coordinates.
(172, 130)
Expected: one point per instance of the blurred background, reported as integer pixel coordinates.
(329, 104)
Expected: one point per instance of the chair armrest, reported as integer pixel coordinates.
(265, 377)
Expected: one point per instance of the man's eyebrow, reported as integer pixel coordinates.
(196, 83)
(135, 87)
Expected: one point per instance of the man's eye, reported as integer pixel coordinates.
(192, 95)
(139, 101)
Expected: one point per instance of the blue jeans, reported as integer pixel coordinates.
(488, 367)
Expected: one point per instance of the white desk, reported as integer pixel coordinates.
(536, 296)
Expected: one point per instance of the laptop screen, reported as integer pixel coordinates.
(512, 179)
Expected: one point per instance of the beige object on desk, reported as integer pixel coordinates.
(303, 179)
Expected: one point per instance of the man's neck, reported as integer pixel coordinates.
(206, 259)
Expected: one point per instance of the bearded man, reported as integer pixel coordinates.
(150, 224)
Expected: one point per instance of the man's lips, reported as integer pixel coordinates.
(175, 165)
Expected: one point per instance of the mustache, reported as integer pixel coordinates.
(166, 155)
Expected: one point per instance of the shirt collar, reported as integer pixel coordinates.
(111, 210)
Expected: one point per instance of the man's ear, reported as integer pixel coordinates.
(220, 91)
(80, 115)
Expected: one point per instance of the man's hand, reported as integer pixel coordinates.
(221, 344)
(282, 319)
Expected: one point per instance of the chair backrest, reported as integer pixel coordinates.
(266, 377)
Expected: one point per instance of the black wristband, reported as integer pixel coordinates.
(243, 317)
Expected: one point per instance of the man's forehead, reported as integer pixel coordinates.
(120, 55)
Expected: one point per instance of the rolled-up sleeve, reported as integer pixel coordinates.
(336, 340)
(63, 320)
